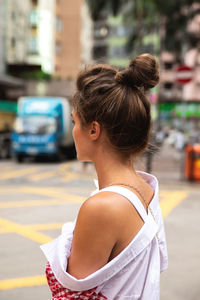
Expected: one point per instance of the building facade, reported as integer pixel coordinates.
(2, 37)
(73, 37)
(179, 104)
(41, 34)
(16, 30)
(47, 36)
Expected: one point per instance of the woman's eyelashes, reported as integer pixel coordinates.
(73, 122)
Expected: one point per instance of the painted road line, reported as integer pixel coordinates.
(50, 192)
(171, 200)
(25, 232)
(50, 202)
(168, 203)
(49, 226)
(42, 176)
(8, 190)
(64, 167)
(67, 174)
(5, 169)
(70, 176)
(17, 173)
(37, 227)
(23, 282)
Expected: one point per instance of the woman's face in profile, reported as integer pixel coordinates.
(81, 138)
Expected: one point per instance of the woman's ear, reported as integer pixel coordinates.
(95, 130)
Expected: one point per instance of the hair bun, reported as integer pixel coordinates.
(142, 73)
(119, 77)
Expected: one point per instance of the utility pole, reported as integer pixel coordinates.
(2, 36)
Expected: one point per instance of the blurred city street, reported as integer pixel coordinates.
(44, 44)
(36, 198)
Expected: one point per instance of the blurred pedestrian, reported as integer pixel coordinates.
(194, 136)
(116, 248)
(180, 140)
(179, 145)
(160, 136)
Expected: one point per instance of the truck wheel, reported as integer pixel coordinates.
(5, 150)
(71, 152)
(3, 153)
(59, 155)
(19, 158)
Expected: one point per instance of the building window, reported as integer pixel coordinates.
(34, 2)
(149, 48)
(13, 42)
(101, 32)
(33, 45)
(168, 85)
(58, 24)
(121, 31)
(58, 48)
(118, 51)
(33, 17)
(168, 65)
(57, 68)
(13, 15)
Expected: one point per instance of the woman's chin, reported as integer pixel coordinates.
(83, 159)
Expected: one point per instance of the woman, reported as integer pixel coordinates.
(116, 248)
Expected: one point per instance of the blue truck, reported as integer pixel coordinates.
(43, 127)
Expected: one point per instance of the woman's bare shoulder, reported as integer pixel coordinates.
(104, 219)
(96, 226)
(109, 210)
(105, 204)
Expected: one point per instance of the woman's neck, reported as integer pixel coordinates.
(112, 169)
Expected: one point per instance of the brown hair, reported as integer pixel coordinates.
(117, 100)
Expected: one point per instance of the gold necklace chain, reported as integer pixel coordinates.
(141, 195)
(134, 188)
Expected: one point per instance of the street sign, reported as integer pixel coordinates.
(184, 74)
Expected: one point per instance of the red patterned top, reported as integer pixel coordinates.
(61, 293)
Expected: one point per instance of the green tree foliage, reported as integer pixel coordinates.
(169, 17)
(36, 75)
(97, 6)
(175, 16)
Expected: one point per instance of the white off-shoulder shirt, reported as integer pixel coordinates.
(135, 272)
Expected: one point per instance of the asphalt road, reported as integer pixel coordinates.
(36, 198)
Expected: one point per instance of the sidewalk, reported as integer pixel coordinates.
(167, 166)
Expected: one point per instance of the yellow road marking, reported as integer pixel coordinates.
(17, 173)
(6, 168)
(44, 175)
(163, 193)
(32, 203)
(38, 227)
(29, 203)
(67, 174)
(8, 190)
(22, 282)
(50, 192)
(70, 177)
(48, 226)
(61, 198)
(66, 166)
(25, 232)
(170, 201)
